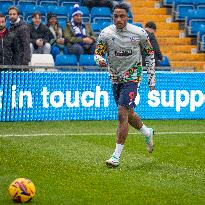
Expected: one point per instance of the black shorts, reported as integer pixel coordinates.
(125, 94)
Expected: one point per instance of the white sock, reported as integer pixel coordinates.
(145, 131)
(118, 150)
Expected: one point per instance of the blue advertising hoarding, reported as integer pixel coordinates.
(38, 96)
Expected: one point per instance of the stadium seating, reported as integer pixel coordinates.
(6, 3)
(86, 14)
(201, 38)
(182, 11)
(87, 60)
(62, 22)
(49, 2)
(130, 17)
(101, 14)
(60, 11)
(66, 60)
(167, 3)
(69, 3)
(88, 63)
(165, 62)
(96, 27)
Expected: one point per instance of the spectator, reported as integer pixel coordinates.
(98, 3)
(56, 36)
(79, 36)
(151, 28)
(39, 34)
(6, 43)
(20, 31)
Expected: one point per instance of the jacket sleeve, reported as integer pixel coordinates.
(155, 46)
(90, 32)
(101, 48)
(70, 37)
(46, 35)
(149, 58)
(25, 39)
(32, 40)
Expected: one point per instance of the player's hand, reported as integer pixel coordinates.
(102, 63)
(151, 88)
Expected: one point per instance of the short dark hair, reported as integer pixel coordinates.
(2, 15)
(15, 8)
(122, 5)
(36, 14)
(151, 24)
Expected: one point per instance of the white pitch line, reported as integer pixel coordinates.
(88, 134)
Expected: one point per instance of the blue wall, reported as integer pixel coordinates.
(31, 96)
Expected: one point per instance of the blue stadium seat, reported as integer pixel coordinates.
(101, 14)
(6, 2)
(167, 3)
(96, 27)
(194, 25)
(165, 62)
(5, 8)
(48, 2)
(199, 2)
(130, 17)
(87, 60)
(88, 63)
(193, 21)
(66, 60)
(182, 11)
(86, 14)
(62, 22)
(69, 3)
(201, 7)
(106, 24)
(23, 4)
(60, 11)
(202, 47)
(200, 38)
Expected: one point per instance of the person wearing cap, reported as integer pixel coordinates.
(150, 28)
(79, 36)
(39, 35)
(56, 38)
(21, 33)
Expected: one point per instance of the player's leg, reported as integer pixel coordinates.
(124, 98)
(122, 132)
(135, 121)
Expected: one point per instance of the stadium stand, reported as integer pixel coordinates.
(101, 14)
(179, 48)
(176, 43)
(88, 63)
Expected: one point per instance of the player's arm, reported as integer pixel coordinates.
(150, 61)
(100, 51)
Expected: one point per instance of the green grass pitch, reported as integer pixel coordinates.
(65, 160)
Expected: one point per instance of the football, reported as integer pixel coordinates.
(22, 190)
